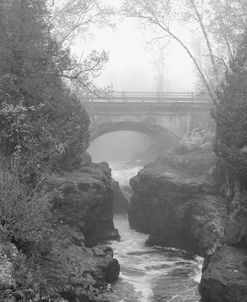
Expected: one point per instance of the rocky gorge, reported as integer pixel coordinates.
(74, 263)
(184, 200)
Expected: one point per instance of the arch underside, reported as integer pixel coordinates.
(160, 134)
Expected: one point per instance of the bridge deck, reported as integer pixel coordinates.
(135, 96)
(149, 97)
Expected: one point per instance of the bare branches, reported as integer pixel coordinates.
(218, 23)
(199, 18)
(74, 17)
(155, 13)
(72, 20)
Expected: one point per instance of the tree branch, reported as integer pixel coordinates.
(210, 90)
(205, 34)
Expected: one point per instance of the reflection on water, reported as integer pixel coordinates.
(150, 274)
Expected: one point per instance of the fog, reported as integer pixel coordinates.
(133, 60)
(124, 147)
(134, 65)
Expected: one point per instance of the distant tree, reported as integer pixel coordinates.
(159, 64)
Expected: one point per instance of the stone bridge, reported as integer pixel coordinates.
(165, 117)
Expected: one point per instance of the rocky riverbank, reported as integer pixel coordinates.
(183, 201)
(75, 264)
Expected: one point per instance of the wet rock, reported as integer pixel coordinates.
(224, 276)
(112, 271)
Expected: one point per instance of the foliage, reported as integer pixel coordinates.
(231, 115)
(41, 119)
(43, 126)
(24, 210)
(31, 284)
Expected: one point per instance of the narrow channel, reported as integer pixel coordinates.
(150, 274)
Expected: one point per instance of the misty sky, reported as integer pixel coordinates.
(132, 61)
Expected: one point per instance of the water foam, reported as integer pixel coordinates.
(147, 271)
(150, 274)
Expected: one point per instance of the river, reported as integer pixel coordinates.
(150, 274)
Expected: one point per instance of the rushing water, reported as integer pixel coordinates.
(150, 274)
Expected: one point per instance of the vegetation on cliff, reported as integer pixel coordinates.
(44, 131)
(231, 115)
(43, 126)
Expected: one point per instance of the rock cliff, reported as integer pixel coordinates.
(177, 201)
(185, 200)
(76, 264)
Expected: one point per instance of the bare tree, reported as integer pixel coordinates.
(73, 18)
(205, 16)
(161, 14)
(159, 64)
(198, 14)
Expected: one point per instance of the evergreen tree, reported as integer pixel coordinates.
(231, 115)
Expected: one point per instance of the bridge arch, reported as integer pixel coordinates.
(161, 135)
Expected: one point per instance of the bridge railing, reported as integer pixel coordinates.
(146, 96)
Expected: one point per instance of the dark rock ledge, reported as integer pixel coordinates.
(77, 264)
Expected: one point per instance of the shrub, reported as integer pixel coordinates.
(24, 210)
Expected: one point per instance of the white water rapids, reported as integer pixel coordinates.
(150, 274)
